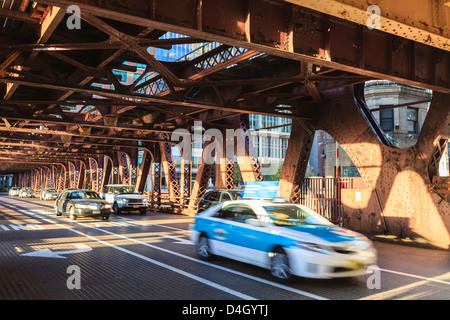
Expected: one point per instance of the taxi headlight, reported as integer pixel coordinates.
(314, 247)
(81, 206)
(106, 206)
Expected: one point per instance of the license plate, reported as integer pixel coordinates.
(135, 206)
(354, 265)
(95, 211)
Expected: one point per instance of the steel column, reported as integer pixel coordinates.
(169, 168)
(295, 162)
(203, 175)
(248, 161)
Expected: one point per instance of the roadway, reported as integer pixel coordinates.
(150, 257)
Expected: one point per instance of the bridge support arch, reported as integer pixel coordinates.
(399, 181)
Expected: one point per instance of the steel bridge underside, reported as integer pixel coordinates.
(303, 60)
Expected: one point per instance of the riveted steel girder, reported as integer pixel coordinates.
(293, 31)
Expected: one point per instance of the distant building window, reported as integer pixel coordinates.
(387, 119)
(284, 145)
(411, 115)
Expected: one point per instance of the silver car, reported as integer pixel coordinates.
(125, 198)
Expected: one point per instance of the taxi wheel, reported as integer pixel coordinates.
(279, 266)
(203, 248)
(72, 214)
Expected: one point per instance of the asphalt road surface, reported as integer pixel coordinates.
(150, 257)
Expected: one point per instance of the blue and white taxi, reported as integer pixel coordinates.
(286, 238)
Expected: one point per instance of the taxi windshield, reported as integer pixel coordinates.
(293, 215)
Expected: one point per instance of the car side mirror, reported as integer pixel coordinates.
(254, 222)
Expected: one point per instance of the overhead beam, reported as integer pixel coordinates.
(424, 21)
(18, 15)
(48, 26)
(134, 45)
(144, 98)
(291, 31)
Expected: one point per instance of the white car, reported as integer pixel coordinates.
(14, 191)
(49, 194)
(125, 198)
(286, 238)
(27, 193)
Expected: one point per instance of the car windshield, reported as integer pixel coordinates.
(293, 215)
(237, 195)
(27, 189)
(84, 195)
(50, 190)
(124, 190)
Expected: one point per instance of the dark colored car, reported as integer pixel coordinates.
(85, 203)
(213, 197)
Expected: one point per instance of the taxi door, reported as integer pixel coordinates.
(244, 239)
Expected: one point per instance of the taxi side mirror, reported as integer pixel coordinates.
(255, 222)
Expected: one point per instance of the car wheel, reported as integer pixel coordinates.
(143, 211)
(203, 248)
(105, 217)
(58, 213)
(72, 214)
(116, 208)
(279, 265)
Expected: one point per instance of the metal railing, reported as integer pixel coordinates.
(323, 195)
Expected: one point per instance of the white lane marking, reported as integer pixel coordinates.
(415, 276)
(153, 224)
(48, 253)
(178, 240)
(158, 263)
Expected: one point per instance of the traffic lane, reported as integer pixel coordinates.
(148, 244)
(353, 288)
(134, 251)
(107, 271)
(396, 280)
(347, 288)
(223, 282)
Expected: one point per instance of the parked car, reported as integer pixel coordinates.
(213, 197)
(286, 238)
(49, 194)
(124, 197)
(14, 191)
(26, 193)
(79, 202)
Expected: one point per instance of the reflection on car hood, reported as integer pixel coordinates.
(89, 201)
(321, 233)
